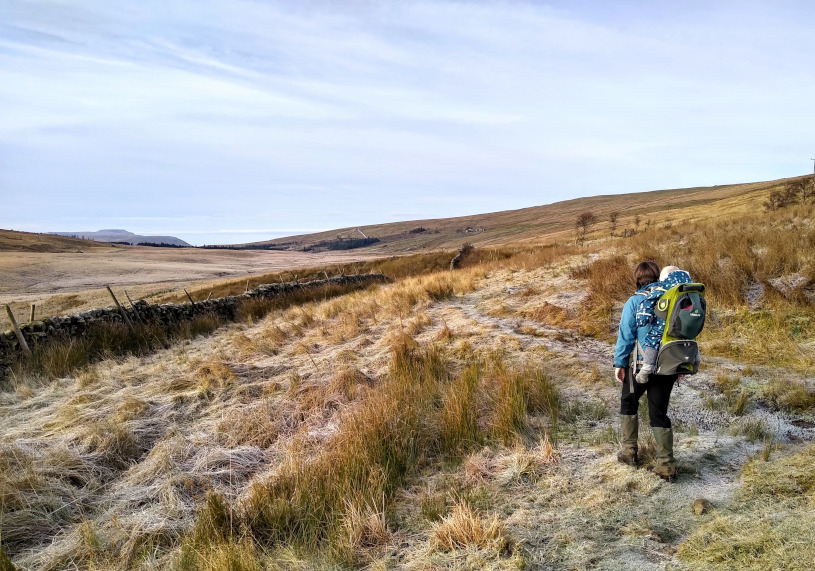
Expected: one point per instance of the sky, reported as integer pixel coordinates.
(233, 121)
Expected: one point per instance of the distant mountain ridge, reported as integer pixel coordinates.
(116, 235)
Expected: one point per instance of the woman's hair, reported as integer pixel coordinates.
(646, 273)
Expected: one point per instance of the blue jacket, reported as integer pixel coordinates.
(629, 333)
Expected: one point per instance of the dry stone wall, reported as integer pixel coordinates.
(167, 314)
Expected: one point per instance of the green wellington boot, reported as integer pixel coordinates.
(664, 465)
(629, 432)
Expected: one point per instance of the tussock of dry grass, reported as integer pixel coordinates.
(527, 465)
(771, 527)
(217, 556)
(516, 393)
(42, 491)
(788, 395)
(417, 324)
(214, 375)
(790, 476)
(609, 281)
(551, 314)
(112, 443)
(521, 465)
(258, 424)
(445, 334)
(346, 385)
(458, 419)
(365, 526)
(464, 527)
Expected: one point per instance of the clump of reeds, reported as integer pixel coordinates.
(458, 419)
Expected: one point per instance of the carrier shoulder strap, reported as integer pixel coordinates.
(633, 359)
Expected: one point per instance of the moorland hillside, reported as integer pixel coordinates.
(550, 222)
(14, 241)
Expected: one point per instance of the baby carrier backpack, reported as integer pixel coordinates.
(683, 307)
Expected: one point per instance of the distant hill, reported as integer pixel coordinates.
(124, 236)
(537, 223)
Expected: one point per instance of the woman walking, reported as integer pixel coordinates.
(658, 387)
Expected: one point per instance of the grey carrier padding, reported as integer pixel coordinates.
(678, 357)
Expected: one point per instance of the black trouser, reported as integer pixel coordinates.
(659, 389)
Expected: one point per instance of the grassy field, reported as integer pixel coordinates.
(450, 420)
(73, 280)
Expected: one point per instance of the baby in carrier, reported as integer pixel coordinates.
(668, 278)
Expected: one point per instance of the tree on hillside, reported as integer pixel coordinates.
(798, 191)
(585, 220)
(612, 218)
(802, 190)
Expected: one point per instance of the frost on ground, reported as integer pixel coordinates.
(111, 464)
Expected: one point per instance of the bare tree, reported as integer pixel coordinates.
(585, 220)
(613, 217)
(799, 191)
(806, 189)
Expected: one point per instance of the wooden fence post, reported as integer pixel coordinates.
(189, 296)
(31, 318)
(17, 332)
(120, 308)
(133, 307)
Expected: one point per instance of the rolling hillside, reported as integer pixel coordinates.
(538, 223)
(14, 241)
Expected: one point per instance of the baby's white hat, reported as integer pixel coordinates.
(666, 271)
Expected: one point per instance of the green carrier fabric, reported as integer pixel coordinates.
(683, 307)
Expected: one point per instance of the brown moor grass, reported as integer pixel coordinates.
(335, 501)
